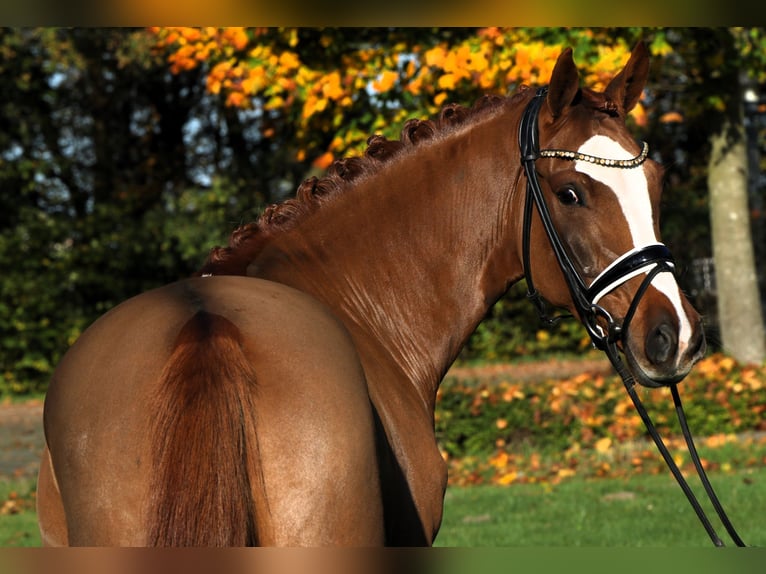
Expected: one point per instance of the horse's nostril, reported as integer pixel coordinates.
(661, 344)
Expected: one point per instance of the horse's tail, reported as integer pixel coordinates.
(205, 455)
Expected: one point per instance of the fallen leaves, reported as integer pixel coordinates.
(509, 432)
(16, 503)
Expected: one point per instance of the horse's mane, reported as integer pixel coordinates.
(248, 240)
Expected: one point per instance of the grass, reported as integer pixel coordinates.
(18, 520)
(638, 511)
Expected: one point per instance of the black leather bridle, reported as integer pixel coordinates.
(654, 258)
(649, 260)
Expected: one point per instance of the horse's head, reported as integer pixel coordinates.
(606, 215)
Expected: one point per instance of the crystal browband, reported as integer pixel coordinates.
(577, 156)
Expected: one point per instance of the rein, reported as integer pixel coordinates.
(651, 259)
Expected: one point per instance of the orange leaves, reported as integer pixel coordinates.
(330, 86)
(671, 118)
(365, 87)
(217, 75)
(549, 431)
(533, 63)
(386, 81)
(288, 61)
(195, 45)
(234, 72)
(236, 37)
(607, 61)
(323, 161)
(435, 56)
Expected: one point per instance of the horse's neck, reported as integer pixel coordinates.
(411, 259)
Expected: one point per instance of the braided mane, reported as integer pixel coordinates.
(248, 240)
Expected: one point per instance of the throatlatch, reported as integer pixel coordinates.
(649, 260)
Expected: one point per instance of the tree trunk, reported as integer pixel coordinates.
(739, 306)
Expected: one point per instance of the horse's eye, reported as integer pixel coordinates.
(568, 196)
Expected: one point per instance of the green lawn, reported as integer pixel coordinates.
(640, 511)
(18, 521)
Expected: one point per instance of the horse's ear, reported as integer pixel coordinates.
(565, 81)
(626, 87)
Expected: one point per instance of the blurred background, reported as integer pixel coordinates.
(127, 153)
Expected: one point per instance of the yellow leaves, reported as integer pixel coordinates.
(533, 63)
(639, 115)
(458, 61)
(503, 463)
(549, 431)
(274, 103)
(264, 67)
(565, 473)
(255, 80)
(448, 82)
(507, 478)
(288, 61)
(237, 37)
(217, 75)
(603, 445)
(608, 61)
(238, 71)
(726, 364)
(385, 82)
(313, 105)
(330, 86)
(660, 47)
(751, 379)
(196, 45)
(500, 460)
(325, 89)
(435, 56)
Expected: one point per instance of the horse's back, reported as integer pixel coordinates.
(306, 421)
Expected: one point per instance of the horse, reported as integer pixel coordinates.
(284, 395)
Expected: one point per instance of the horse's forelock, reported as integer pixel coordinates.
(601, 102)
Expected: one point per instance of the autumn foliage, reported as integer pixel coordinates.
(505, 432)
(375, 85)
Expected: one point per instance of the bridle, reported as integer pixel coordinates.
(649, 260)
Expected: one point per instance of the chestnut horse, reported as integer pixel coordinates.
(285, 395)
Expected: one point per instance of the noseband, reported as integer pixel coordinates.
(650, 260)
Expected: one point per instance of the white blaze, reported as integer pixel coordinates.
(631, 187)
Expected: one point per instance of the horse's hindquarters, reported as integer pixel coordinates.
(50, 508)
(316, 479)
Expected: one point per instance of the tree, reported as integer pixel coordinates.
(102, 195)
(709, 168)
(125, 154)
(739, 302)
